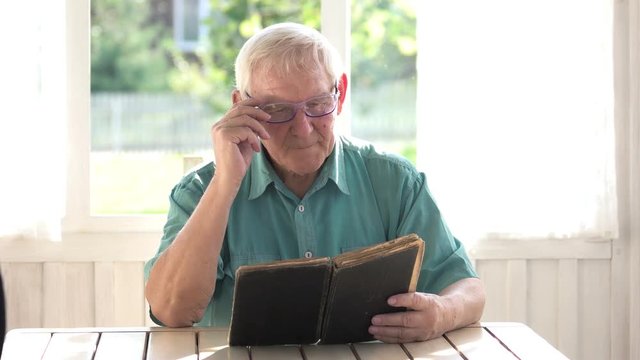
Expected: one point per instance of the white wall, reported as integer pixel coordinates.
(560, 289)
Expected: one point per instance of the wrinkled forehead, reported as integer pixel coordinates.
(292, 86)
(300, 66)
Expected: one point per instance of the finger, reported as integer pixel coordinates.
(243, 121)
(413, 301)
(393, 334)
(408, 319)
(248, 106)
(242, 135)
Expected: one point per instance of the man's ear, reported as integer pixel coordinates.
(342, 87)
(236, 96)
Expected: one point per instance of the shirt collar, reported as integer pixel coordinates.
(262, 173)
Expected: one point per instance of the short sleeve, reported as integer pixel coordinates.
(183, 200)
(445, 260)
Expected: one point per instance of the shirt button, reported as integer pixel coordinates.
(308, 254)
(301, 208)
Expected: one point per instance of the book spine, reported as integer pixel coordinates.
(324, 305)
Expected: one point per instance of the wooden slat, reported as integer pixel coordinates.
(76, 346)
(104, 293)
(437, 348)
(542, 298)
(18, 345)
(128, 293)
(119, 294)
(23, 294)
(379, 351)
(275, 353)
(525, 343)
(504, 249)
(68, 296)
(567, 307)
(517, 290)
(494, 276)
(169, 345)
(212, 345)
(121, 346)
(595, 304)
(476, 343)
(333, 352)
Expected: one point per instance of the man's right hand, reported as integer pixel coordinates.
(236, 136)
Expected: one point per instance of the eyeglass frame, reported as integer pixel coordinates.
(301, 105)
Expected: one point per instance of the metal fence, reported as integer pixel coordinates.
(139, 121)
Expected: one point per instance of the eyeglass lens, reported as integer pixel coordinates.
(314, 107)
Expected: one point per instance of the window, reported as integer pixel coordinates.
(453, 84)
(515, 115)
(32, 119)
(152, 105)
(189, 30)
(383, 74)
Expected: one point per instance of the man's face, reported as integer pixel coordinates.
(299, 146)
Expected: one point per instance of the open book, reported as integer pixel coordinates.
(301, 301)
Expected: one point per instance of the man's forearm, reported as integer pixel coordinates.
(182, 281)
(465, 302)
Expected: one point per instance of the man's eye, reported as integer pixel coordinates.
(275, 108)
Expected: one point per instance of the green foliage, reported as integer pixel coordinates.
(133, 51)
(127, 50)
(230, 24)
(383, 41)
(410, 152)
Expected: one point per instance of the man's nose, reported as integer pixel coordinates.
(301, 124)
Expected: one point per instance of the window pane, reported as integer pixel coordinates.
(152, 104)
(383, 73)
(190, 20)
(517, 131)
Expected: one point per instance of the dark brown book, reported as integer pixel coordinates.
(330, 300)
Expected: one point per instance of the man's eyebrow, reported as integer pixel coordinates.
(275, 100)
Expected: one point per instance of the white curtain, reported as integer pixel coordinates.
(32, 122)
(515, 117)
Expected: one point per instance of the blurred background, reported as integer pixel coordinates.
(162, 74)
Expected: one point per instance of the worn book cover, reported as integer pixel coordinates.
(326, 300)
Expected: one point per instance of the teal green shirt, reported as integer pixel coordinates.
(361, 197)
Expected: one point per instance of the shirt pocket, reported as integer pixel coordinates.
(239, 260)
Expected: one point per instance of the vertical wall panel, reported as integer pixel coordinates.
(594, 306)
(493, 275)
(68, 294)
(23, 292)
(129, 293)
(104, 294)
(119, 294)
(542, 307)
(567, 307)
(53, 297)
(566, 301)
(516, 290)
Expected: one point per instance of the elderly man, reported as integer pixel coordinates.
(284, 186)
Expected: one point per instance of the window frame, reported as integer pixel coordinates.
(335, 20)
(179, 25)
(144, 230)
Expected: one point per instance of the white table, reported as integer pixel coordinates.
(483, 341)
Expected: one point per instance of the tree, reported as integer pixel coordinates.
(128, 48)
(383, 45)
(231, 23)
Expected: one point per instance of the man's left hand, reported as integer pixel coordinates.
(426, 318)
(430, 315)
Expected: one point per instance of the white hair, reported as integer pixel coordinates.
(286, 48)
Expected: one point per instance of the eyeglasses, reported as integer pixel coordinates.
(317, 106)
